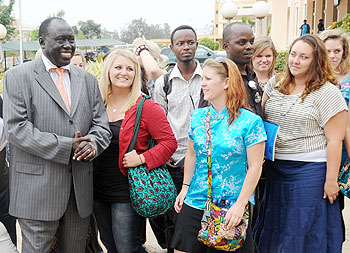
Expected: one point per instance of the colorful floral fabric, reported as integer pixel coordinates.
(345, 88)
(345, 91)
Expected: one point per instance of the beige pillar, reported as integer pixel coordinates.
(342, 9)
(279, 23)
(328, 16)
(318, 13)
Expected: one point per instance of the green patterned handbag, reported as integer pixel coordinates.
(344, 179)
(152, 192)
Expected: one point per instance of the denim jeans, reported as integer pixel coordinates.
(125, 225)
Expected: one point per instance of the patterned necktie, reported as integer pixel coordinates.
(61, 88)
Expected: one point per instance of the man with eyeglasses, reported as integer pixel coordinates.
(238, 42)
(178, 102)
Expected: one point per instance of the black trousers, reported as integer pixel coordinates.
(177, 174)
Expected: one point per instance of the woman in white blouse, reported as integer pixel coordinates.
(300, 208)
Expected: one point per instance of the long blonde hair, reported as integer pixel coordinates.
(105, 82)
(337, 34)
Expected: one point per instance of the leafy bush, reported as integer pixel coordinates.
(95, 68)
(1, 85)
(281, 61)
(345, 23)
(209, 43)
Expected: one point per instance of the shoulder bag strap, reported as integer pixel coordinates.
(137, 123)
(209, 149)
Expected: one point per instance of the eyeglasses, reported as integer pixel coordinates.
(222, 60)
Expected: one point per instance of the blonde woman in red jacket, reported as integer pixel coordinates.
(120, 86)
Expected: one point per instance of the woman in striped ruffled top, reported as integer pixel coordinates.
(300, 208)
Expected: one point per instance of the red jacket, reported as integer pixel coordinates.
(153, 123)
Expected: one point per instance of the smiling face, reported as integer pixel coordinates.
(300, 59)
(122, 73)
(335, 52)
(77, 61)
(185, 45)
(263, 61)
(58, 45)
(239, 45)
(213, 85)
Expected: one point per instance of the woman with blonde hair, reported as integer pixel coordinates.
(120, 86)
(237, 141)
(264, 59)
(337, 43)
(300, 209)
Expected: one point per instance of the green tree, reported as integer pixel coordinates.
(139, 27)
(209, 43)
(90, 29)
(6, 19)
(248, 21)
(35, 34)
(110, 35)
(61, 14)
(75, 29)
(135, 29)
(281, 61)
(80, 36)
(345, 23)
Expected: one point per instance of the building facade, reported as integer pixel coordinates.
(288, 16)
(285, 17)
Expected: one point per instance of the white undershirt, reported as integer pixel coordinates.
(314, 156)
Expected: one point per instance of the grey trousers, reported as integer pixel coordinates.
(71, 231)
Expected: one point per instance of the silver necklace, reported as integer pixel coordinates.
(114, 110)
(283, 99)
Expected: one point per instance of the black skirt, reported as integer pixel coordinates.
(187, 227)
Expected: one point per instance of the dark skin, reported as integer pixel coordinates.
(59, 47)
(239, 46)
(184, 47)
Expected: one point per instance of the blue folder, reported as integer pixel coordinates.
(271, 132)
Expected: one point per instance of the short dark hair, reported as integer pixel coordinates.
(321, 19)
(228, 28)
(43, 29)
(182, 27)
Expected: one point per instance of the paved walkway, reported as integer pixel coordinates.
(153, 247)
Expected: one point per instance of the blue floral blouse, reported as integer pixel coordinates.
(345, 91)
(229, 155)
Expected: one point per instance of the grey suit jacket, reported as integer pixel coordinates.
(41, 131)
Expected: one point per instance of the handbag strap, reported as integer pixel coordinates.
(137, 123)
(209, 151)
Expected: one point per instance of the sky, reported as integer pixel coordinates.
(116, 14)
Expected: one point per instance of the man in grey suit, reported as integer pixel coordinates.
(56, 123)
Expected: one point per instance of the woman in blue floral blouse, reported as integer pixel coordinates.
(238, 141)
